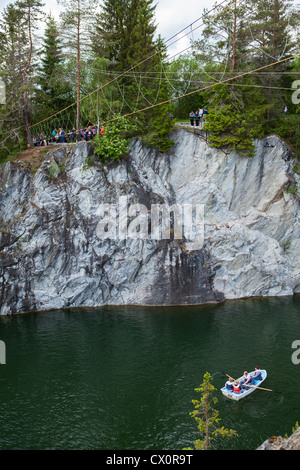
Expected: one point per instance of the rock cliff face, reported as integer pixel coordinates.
(280, 443)
(52, 254)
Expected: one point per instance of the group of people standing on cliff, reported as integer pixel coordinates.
(198, 118)
(60, 136)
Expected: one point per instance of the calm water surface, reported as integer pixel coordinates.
(124, 378)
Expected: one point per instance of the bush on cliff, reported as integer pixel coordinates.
(234, 122)
(114, 143)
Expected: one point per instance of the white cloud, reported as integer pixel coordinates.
(172, 16)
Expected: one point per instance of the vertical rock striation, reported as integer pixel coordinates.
(51, 255)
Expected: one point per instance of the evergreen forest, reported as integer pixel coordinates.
(102, 61)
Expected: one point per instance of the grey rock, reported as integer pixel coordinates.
(51, 255)
(280, 443)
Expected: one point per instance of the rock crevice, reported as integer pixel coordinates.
(51, 255)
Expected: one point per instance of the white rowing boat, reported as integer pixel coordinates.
(247, 390)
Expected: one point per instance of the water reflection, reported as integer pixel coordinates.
(124, 378)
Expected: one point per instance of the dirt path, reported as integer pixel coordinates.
(34, 155)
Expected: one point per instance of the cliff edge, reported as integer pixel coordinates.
(280, 443)
(54, 252)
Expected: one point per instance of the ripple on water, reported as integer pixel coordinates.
(124, 378)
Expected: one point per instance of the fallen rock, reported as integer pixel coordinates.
(279, 443)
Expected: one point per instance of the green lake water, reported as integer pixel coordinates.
(124, 378)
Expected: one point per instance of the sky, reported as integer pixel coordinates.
(171, 17)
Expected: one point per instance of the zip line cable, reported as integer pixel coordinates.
(129, 71)
(217, 83)
(97, 102)
(203, 88)
(174, 36)
(124, 73)
(144, 60)
(217, 73)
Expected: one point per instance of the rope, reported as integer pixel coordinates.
(90, 120)
(143, 61)
(204, 88)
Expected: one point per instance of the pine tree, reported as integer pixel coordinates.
(156, 124)
(138, 39)
(271, 26)
(12, 53)
(207, 417)
(19, 22)
(109, 30)
(139, 44)
(224, 36)
(125, 35)
(32, 13)
(125, 32)
(242, 38)
(55, 92)
(235, 119)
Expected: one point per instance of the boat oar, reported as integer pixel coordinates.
(254, 386)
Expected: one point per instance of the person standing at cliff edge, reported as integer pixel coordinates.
(192, 117)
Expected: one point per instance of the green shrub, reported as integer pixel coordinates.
(114, 144)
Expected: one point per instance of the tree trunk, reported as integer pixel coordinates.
(78, 75)
(27, 120)
(233, 62)
(26, 110)
(234, 43)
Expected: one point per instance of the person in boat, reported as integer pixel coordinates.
(236, 387)
(257, 374)
(229, 384)
(246, 379)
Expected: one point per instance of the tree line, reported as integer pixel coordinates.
(52, 68)
(90, 44)
(248, 37)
